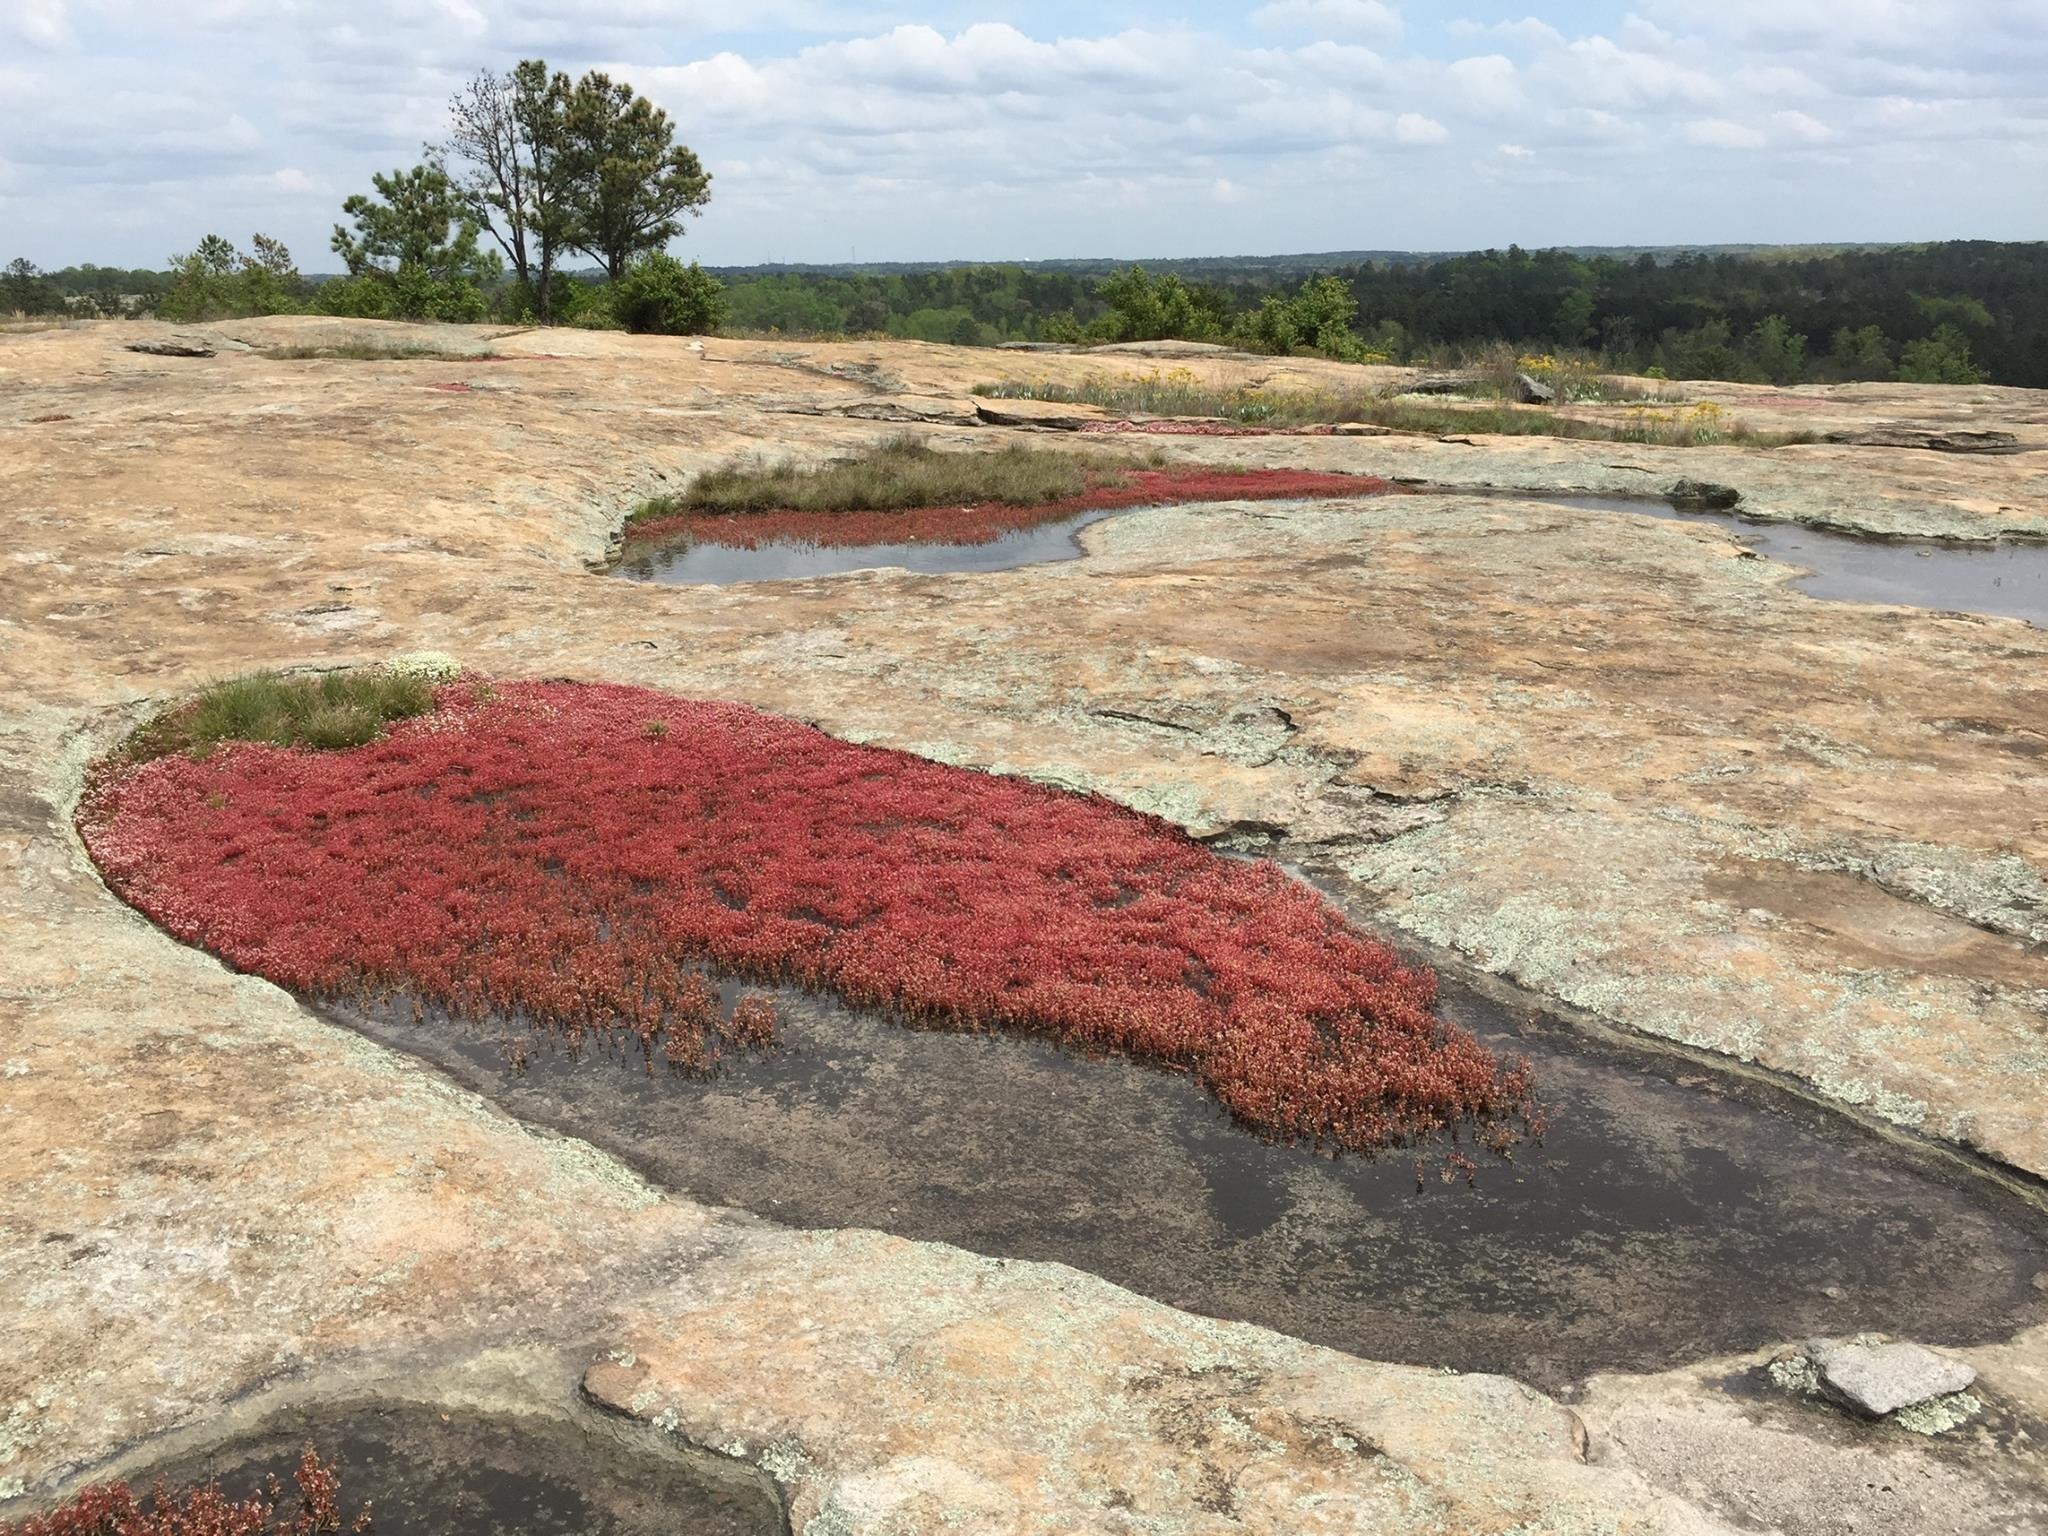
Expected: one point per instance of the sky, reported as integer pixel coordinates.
(975, 129)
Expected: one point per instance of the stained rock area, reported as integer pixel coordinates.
(1607, 765)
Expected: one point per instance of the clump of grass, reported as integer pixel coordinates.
(898, 474)
(327, 713)
(1180, 393)
(377, 352)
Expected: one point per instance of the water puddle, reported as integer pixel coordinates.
(1663, 1219)
(429, 1473)
(2007, 579)
(692, 564)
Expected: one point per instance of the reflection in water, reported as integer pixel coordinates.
(1660, 1220)
(2009, 579)
(688, 565)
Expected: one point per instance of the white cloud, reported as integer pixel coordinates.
(1414, 128)
(1528, 32)
(1489, 84)
(1721, 133)
(133, 126)
(1600, 70)
(43, 23)
(1370, 20)
(1799, 126)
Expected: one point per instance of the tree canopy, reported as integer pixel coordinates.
(544, 165)
(413, 251)
(632, 181)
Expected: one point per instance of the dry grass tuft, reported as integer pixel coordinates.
(901, 473)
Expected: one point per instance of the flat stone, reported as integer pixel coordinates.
(1880, 1379)
(1166, 349)
(173, 346)
(909, 408)
(1950, 441)
(1047, 415)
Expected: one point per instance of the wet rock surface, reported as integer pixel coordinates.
(423, 1471)
(1607, 757)
(1663, 1217)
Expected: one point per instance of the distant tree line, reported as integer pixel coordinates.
(1955, 312)
(539, 171)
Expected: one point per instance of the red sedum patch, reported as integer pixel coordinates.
(113, 1509)
(572, 853)
(988, 521)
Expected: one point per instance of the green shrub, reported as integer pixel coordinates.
(1144, 308)
(660, 296)
(1943, 358)
(355, 298)
(587, 306)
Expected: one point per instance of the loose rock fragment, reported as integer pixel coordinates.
(1704, 494)
(1880, 1379)
(173, 346)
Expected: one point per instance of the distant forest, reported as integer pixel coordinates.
(1958, 312)
(1782, 317)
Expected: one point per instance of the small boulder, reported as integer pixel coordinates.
(1438, 384)
(1703, 494)
(1880, 1379)
(1533, 391)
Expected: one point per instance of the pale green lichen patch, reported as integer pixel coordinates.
(784, 1461)
(1795, 1374)
(429, 666)
(1939, 1415)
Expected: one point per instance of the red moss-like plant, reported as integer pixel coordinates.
(114, 1510)
(986, 522)
(538, 851)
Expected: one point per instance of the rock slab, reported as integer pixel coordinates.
(173, 346)
(1880, 1379)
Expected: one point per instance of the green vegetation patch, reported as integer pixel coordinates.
(1181, 393)
(900, 473)
(329, 711)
